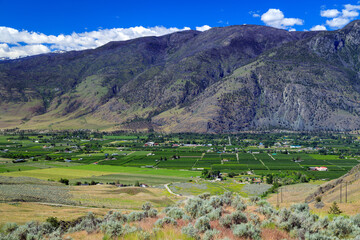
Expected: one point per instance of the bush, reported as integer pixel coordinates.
(9, 227)
(190, 231)
(227, 198)
(193, 206)
(317, 236)
(204, 196)
(238, 217)
(215, 202)
(247, 230)
(356, 220)
(175, 212)
(152, 213)
(202, 224)
(146, 206)
(64, 180)
(112, 228)
(300, 207)
(166, 220)
(53, 221)
(210, 234)
(254, 199)
(89, 224)
(115, 216)
(214, 214)
(226, 221)
(238, 203)
(135, 216)
(341, 226)
(31, 230)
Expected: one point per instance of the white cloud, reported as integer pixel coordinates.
(276, 18)
(349, 14)
(203, 28)
(21, 51)
(15, 43)
(330, 13)
(340, 19)
(338, 22)
(318, 28)
(256, 15)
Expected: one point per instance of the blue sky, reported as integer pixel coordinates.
(33, 27)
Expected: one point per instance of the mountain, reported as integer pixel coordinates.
(223, 80)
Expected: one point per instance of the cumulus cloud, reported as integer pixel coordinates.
(330, 13)
(276, 18)
(340, 19)
(203, 28)
(318, 28)
(20, 43)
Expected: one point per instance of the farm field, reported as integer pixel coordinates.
(84, 156)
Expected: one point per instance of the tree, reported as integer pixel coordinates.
(269, 179)
(334, 209)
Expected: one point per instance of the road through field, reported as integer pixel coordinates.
(169, 190)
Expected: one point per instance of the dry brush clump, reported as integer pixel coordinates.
(205, 217)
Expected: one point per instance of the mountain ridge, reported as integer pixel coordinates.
(224, 80)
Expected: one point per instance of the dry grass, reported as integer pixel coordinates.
(274, 234)
(24, 212)
(292, 194)
(83, 235)
(121, 198)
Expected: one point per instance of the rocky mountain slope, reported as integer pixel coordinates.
(227, 80)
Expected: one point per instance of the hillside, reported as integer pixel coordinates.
(226, 79)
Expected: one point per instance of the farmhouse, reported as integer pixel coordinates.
(321, 169)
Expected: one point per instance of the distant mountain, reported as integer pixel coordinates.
(223, 80)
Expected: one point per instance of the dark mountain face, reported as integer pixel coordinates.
(222, 80)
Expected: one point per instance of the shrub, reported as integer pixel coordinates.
(202, 224)
(176, 213)
(215, 202)
(238, 217)
(166, 220)
(254, 199)
(254, 218)
(204, 196)
(89, 223)
(192, 206)
(341, 226)
(214, 214)
(226, 221)
(55, 235)
(356, 220)
(238, 203)
(64, 181)
(31, 230)
(300, 207)
(115, 216)
(112, 228)
(227, 198)
(146, 206)
(135, 216)
(190, 231)
(210, 234)
(317, 236)
(247, 230)
(53, 221)
(152, 213)
(9, 227)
